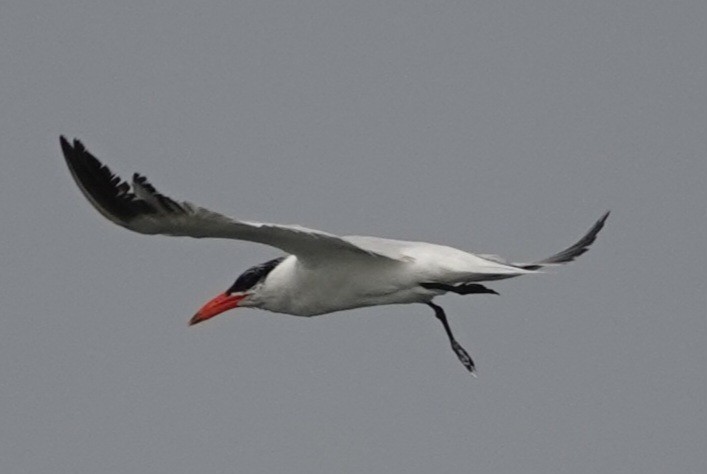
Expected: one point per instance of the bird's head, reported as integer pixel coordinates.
(243, 293)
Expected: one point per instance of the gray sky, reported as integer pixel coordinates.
(499, 127)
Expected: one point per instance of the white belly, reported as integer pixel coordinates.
(309, 291)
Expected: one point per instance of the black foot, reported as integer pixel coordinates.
(464, 357)
(456, 347)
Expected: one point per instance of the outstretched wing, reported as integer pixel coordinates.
(141, 208)
(572, 252)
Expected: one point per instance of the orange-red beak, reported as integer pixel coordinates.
(216, 306)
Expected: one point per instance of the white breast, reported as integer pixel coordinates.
(310, 290)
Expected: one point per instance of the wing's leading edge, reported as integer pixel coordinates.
(141, 208)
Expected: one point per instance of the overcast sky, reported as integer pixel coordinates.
(503, 127)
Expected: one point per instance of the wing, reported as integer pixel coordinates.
(440, 263)
(572, 252)
(141, 208)
(455, 266)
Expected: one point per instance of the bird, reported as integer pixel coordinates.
(320, 272)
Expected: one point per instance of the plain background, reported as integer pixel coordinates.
(498, 127)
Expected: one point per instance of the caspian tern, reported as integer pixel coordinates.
(321, 272)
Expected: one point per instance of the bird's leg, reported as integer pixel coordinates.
(463, 289)
(456, 347)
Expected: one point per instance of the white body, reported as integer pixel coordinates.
(313, 287)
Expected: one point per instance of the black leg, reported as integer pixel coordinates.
(463, 289)
(456, 347)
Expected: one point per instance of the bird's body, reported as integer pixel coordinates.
(321, 273)
(303, 287)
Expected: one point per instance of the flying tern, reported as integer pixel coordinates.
(320, 272)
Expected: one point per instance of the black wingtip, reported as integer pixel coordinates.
(70, 149)
(578, 248)
(106, 191)
(604, 217)
(65, 145)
